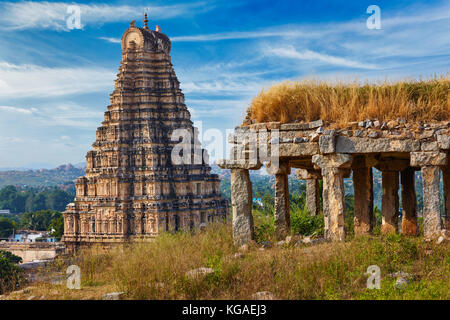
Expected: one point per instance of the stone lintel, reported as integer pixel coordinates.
(392, 164)
(428, 158)
(247, 165)
(368, 145)
(334, 160)
(287, 150)
(305, 174)
(301, 126)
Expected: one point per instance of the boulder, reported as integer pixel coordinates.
(113, 296)
(202, 271)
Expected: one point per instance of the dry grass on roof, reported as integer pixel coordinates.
(309, 100)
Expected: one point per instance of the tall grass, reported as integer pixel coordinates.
(341, 102)
(157, 270)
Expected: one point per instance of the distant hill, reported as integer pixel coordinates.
(59, 176)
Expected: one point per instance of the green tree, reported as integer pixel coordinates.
(6, 227)
(11, 275)
(39, 220)
(57, 226)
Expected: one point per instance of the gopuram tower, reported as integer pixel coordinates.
(132, 190)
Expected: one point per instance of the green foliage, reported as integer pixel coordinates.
(264, 226)
(11, 276)
(57, 226)
(10, 257)
(32, 199)
(6, 227)
(40, 220)
(302, 222)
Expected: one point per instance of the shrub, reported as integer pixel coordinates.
(302, 222)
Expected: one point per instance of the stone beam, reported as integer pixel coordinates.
(392, 164)
(333, 192)
(409, 202)
(241, 199)
(363, 191)
(369, 145)
(389, 201)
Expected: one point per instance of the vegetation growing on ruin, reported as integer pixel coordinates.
(341, 103)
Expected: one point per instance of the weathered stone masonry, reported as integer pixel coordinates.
(132, 190)
(397, 149)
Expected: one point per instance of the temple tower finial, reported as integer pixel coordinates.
(145, 19)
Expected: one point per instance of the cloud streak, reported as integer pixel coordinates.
(35, 81)
(53, 15)
(292, 53)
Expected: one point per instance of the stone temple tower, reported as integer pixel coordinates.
(132, 190)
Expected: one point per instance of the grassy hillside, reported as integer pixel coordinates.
(158, 270)
(345, 102)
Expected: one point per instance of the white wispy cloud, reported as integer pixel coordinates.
(37, 81)
(53, 15)
(112, 40)
(292, 53)
(17, 110)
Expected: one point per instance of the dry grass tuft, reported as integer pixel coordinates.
(309, 100)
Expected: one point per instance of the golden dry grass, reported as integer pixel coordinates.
(157, 270)
(310, 100)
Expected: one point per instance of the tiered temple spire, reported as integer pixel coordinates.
(132, 190)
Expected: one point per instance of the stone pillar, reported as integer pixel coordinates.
(446, 180)
(282, 216)
(363, 194)
(431, 201)
(389, 202)
(312, 196)
(241, 199)
(430, 163)
(333, 192)
(409, 203)
(312, 189)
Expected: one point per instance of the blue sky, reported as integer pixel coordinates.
(55, 82)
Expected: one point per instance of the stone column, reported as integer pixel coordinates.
(409, 203)
(282, 216)
(332, 166)
(430, 163)
(241, 199)
(312, 189)
(389, 202)
(363, 194)
(446, 180)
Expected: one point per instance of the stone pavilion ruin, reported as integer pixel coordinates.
(397, 148)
